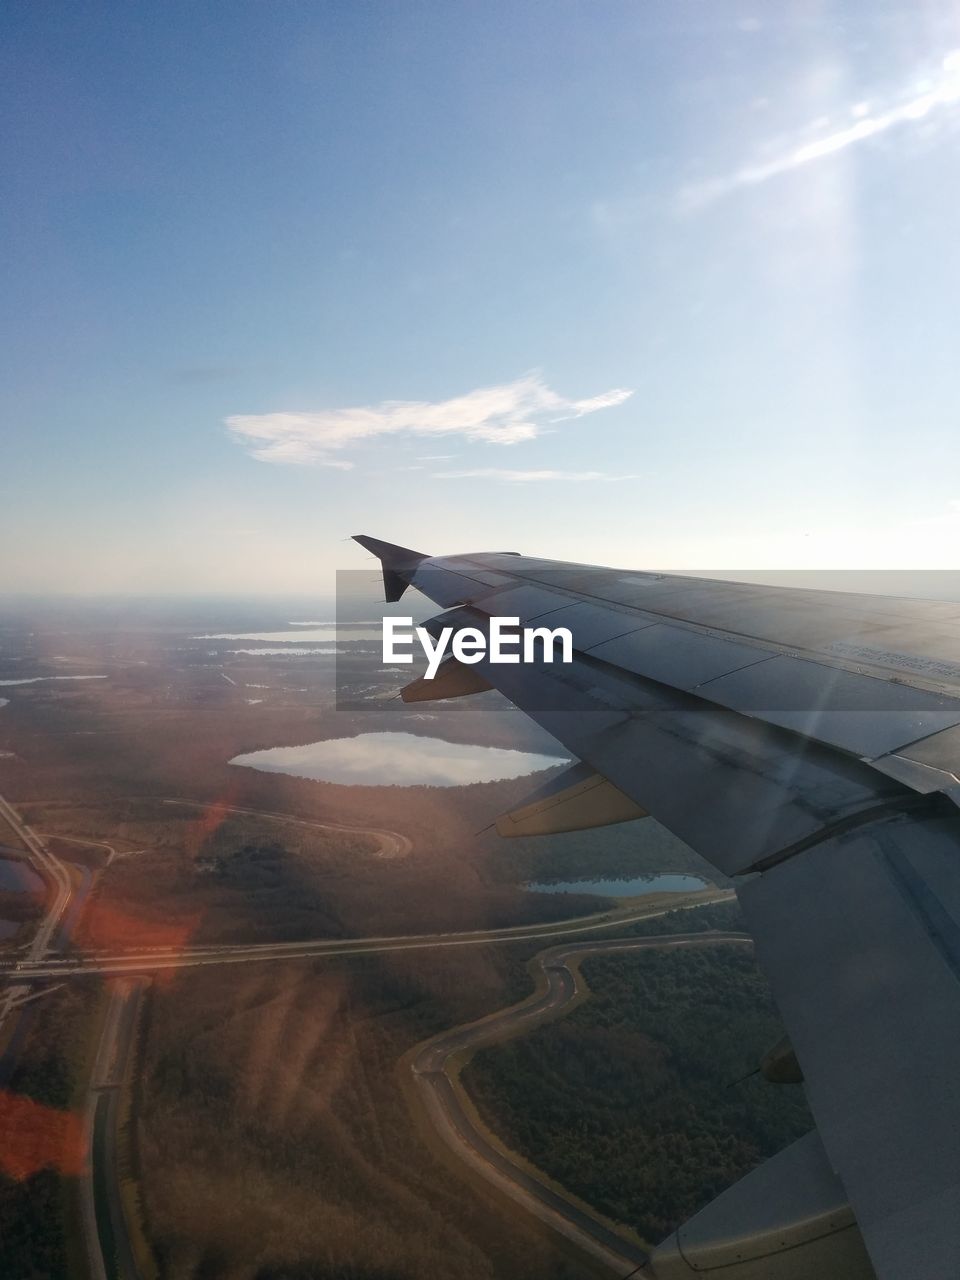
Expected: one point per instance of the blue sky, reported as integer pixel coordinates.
(279, 273)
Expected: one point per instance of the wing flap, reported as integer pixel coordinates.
(579, 799)
(453, 679)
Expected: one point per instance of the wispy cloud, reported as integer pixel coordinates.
(506, 476)
(866, 121)
(506, 414)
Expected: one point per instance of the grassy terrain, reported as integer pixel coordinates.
(206, 874)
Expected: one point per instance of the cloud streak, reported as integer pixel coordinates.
(939, 92)
(506, 414)
(508, 476)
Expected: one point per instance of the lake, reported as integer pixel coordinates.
(325, 634)
(397, 759)
(18, 876)
(666, 883)
(37, 679)
(290, 651)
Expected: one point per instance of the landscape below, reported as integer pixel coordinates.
(268, 1131)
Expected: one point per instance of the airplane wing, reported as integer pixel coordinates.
(807, 743)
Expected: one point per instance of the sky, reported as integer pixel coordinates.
(638, 282)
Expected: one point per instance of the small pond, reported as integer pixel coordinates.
(665, 883)
(18, 876)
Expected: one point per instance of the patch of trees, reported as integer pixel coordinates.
(20, 906)
(32, 1245)
(50, 1067)
(630, 1102)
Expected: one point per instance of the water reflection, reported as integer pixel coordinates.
(397, 759)
(16, 876)
(666, 883)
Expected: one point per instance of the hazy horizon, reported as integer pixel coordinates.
(923, 583)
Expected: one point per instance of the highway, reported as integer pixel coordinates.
(155, 959)
(34, 964)
(109, 1251)
(50, 868)
(436, 1065)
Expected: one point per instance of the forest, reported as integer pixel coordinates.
(633, 1101)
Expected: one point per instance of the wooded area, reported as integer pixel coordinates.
(631, 1101)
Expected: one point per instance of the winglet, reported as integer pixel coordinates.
(398, 564)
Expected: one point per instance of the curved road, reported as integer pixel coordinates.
(392, 843)
(442, 1096)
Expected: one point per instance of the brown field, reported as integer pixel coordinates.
(275, 1139)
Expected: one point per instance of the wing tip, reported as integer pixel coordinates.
(397, 563)
(390, 553)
